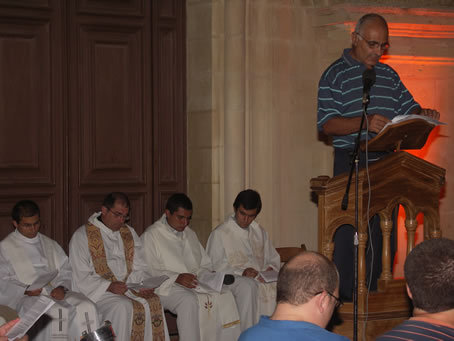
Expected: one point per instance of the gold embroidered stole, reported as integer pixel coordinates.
(98, 255)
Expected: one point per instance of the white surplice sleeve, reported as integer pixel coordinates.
(155, 263)
(84, 277)
(205, 263)
(216, 251)
(139, 267)
(11, 289)
(272, 258)
(64, 277)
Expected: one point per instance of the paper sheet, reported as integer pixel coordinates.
(38, 308)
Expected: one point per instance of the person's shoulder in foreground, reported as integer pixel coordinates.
(429, 273)
(419, 330)
(274, 330)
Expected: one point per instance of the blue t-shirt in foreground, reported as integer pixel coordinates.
(278, 330)
(415, 330)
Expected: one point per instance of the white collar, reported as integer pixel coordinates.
(98, 223)
(245, 230)
(21, 237)
(179, 234)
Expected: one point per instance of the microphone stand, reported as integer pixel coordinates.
(355, 166)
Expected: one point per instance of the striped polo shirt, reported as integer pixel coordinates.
(340, 94)
(419, 330)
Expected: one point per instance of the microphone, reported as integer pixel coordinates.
(368, 81)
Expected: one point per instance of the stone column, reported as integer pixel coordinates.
(234, 101)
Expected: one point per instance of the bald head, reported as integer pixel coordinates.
(370, 19)
(305, 275)
(370, 39)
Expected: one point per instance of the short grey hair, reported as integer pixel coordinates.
(370, 17)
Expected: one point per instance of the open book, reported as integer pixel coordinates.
(150, 283)
(211, 280)
(403, 132)
(403, 118)
(208, 282)
(269, 275)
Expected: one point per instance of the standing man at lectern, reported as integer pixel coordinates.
(357, 76)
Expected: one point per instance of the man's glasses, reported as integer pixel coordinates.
(374, 44)
(119, 215)
(339, 302)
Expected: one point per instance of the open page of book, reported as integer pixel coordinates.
(202, 289)
(213, 280)
(37, 309)
(269, 275)
(150, 283)
(42, 280)
(402, 118)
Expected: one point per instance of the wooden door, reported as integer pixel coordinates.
(32, 112)
(91, 101)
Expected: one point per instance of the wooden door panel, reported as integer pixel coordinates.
(170, 9)
(25, 118)
(109, 7)
(169, 129)
(168, 164)
(20, 5)
(111, 117)
(110, 144)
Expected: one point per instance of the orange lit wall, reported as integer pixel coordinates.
(422, 53)
(429, 75)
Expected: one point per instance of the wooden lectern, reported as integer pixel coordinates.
(398, 178)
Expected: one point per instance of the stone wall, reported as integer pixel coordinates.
(252, 74)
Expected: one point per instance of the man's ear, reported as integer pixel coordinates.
(104, 210)
(409, 292)
(167, 212)
(15, 224)
(322, 302)
(354, 38)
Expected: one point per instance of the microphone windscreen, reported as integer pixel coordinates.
(369, 78)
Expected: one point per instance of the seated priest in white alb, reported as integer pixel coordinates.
(242, 247)
(26, 256)
(107, 260)
(173, 249)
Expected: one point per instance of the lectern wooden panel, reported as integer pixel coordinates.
(399, 178)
